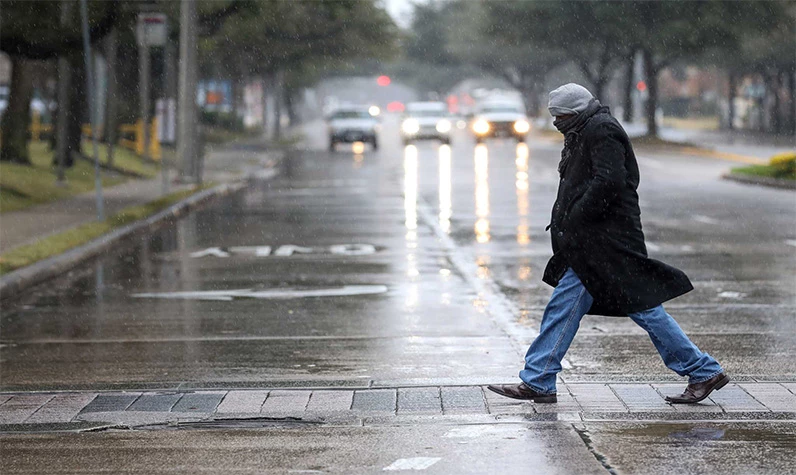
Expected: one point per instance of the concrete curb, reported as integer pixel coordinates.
(761, 181)
(14, 282)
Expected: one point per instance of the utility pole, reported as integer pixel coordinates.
(167, 119)
(61, 123)
(91, 109)
(151, 30)
(112, 102)
(143, 96)
(186, 107)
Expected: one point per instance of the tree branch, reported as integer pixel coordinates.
(18, 45)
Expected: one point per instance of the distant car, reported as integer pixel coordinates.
(426, 120)
(500, 119)
(351, 124)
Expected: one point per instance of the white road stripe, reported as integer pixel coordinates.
(705, 219)
(653, 247)
(652, 163)
(791, 242)
(500, 307)
(415, 463)
(228, 295)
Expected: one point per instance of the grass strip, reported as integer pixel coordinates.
(59, 243)
(127, 160)
(765, 171)
(22, 186)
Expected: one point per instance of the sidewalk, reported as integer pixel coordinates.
(223, 163)
(726, 141)
(577, 402)
(30, 224)
(737, 142)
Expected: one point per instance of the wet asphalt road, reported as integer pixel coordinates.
(445, 244)
(405, 266)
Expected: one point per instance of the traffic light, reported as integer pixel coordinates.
(383, 80)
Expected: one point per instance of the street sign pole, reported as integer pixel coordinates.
(151, 30)
(91, 109)
(143, 78)
(186, 107)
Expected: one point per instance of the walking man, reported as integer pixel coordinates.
(600, 264)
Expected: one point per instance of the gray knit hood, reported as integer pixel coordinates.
(569, 99)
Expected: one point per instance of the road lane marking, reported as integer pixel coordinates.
(415, 463)
(210, 251)
(500, 307)
(474, 431)
(653, 247)
(287, 250)
(705, 219)
(228, 295)
(732, 295)
(652, 163)
(791, 242)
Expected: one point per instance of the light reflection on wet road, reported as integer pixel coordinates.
(431, 326)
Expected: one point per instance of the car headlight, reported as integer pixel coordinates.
(481, 127)
(443, 126)
(522, 126)
(410, 126)
(374, 111)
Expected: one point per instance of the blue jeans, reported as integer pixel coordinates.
(570, 302)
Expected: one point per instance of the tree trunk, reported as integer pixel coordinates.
(651, 76)
(265, 81)
(112, 101)
(290, 108)
(78, 108)
(16, 118)
(62, 119)
(599, 87)
(630, 62)
(792, 94)
(733, 86)
(776, 122)
(278, 87)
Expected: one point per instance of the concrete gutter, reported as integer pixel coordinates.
(761, 180)
(13, 283)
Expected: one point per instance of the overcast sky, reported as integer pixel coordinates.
(401, 10)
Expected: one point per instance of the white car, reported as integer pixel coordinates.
(349, 124)
(500, 119)
(426, 120)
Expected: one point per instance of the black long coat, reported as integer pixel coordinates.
(596, 225)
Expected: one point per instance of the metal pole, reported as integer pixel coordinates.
(61, 125)
(91, 112)
(112, 102)
(143, 97)
(186, 108)
(170, 88)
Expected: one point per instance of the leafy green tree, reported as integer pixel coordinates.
(595, 36)
(292, 43)
(479, 39)
(31, 31)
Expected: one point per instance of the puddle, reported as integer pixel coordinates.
(252, 423)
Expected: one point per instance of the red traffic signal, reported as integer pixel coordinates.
(641, 86)
(383, 80)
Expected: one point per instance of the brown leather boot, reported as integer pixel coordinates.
(698, 391)
(522, 391)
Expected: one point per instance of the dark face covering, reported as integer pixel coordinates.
(570, 127)
(576, 122)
